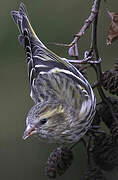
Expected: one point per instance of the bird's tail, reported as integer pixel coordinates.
(20, 17)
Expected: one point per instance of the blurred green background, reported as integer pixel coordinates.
(54, 21)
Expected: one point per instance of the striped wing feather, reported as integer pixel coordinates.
(49, 75)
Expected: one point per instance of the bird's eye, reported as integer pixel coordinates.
(43, 121)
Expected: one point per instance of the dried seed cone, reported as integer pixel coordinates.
(58, 162)
(94, 173)
(105, 115)
(114, 131)
(105, 152)
(116, 65)
(110, 80)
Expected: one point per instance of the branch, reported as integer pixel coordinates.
(94, 12)
(73, 50)
(98, 66)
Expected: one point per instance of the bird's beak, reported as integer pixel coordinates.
(28, 132)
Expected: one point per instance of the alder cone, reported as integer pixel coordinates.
(58, 162)
(110, 81)
(104, 114)
(105, 152)
(94, 173)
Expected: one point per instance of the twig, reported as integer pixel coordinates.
(73, 44)
(97, 83)
(94, 12)
(74, 144)
(95, 50)
(98, 66)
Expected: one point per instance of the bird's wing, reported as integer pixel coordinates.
(42, 61)
(58, 85)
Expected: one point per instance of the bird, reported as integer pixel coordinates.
(64, 101)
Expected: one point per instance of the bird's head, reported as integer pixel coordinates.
(47, 120)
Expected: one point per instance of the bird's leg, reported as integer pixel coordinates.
(88, 58)
(84, 61)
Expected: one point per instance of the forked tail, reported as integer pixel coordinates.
(20, 17)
